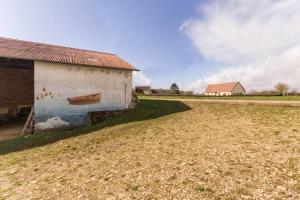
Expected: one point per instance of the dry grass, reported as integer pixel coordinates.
(213, 151)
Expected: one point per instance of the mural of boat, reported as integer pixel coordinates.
(84, 100)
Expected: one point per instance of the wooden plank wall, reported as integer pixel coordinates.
(16, 86)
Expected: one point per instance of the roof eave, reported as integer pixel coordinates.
(120, 68)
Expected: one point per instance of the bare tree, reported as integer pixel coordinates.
(282, 88)
(293, 91)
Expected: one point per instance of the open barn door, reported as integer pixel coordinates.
(16, 95)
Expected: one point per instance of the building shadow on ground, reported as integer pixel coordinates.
(146, 110)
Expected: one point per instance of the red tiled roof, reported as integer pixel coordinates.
(222, 87)
(25, 50)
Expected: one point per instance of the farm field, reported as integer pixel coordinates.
(162, 150)
(263, 98)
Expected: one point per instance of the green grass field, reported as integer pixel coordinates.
(264, 98)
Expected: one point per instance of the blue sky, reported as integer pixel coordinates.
(189, 42)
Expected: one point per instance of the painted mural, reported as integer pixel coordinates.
(84, 100)
(64, 94)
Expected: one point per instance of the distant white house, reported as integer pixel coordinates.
(225, 89)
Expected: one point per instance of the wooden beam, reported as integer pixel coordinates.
(28, 121)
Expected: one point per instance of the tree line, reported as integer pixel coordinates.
(282, 89)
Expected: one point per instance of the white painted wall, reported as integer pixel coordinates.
(238, 89)
(218, 94)
(55, 82)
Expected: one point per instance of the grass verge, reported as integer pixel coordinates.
(147, 109)
(263, 98)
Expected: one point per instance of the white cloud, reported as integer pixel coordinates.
(259, 39)
(283, 68)
(139, 79)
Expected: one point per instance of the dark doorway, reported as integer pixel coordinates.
(16, 95)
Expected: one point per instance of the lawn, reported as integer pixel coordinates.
(162, 150)
(264, 98)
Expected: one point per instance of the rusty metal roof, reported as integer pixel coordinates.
(222, 87)
(19, 49)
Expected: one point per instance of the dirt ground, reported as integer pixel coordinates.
(237, 101)
(11, 130)
(213, 151)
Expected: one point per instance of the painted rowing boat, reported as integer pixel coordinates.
(84, 100)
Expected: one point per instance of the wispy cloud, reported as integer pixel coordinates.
(140, 79)
(258, 40)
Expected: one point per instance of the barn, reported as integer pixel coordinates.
(53, 87)
(146, 90)
(225, 89)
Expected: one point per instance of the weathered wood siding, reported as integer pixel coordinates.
(16, 87)
(55, 83)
